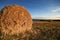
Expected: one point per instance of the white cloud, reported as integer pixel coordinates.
(55, 13)
(52, 14)
(56, 10)
(49, 17)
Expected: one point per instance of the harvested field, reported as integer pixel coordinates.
(18, 26)
(40, 31)
(47, 30)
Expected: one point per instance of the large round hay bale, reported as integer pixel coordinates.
(15, 19)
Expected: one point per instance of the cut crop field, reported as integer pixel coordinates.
(41, 30)
(47, 30)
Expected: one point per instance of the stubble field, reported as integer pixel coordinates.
(41, 30)
(47, 30)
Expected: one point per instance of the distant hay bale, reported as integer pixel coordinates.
(15, 19)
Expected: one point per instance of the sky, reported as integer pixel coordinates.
(37, 8)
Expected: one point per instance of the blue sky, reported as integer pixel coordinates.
(37, 8)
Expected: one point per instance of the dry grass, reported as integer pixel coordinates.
(40, 31)
(47, 30)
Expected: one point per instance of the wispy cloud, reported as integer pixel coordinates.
(56, 10)
(53, 14)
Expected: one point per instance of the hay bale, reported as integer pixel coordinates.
(14, 20)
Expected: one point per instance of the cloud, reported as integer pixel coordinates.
(56, 10)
